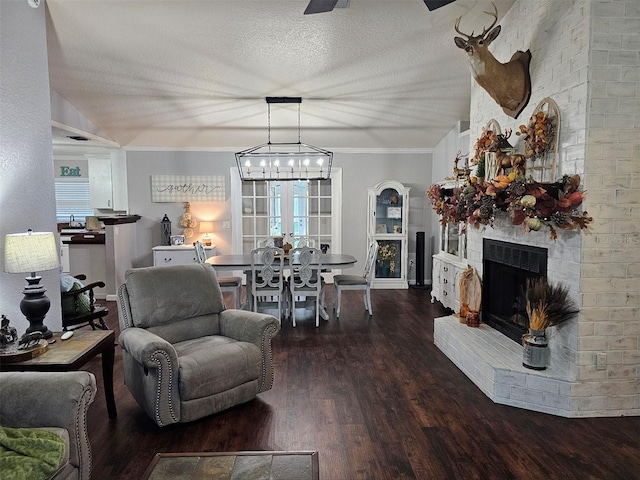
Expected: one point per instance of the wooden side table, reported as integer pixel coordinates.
(71, 354)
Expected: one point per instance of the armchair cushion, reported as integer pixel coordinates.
(153, 299)
(210, 365)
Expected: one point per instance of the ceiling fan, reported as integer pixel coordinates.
(321, 6)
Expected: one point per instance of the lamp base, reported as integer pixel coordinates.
(35, 306)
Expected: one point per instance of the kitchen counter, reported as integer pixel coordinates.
(119, 219)
(74, 236)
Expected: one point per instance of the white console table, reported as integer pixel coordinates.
(178, 254)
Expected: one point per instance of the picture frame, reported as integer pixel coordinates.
(394, 212)
(381, 228)
(177, 239)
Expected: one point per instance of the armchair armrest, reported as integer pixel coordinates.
(51, 399)
(246, 326)
(144, 347)
(256, 328)
(151, 373)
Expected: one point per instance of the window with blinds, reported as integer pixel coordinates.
(72, 198)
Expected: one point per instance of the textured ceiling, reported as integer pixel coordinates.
(162, 74)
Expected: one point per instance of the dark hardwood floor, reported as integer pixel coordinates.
(377, 400)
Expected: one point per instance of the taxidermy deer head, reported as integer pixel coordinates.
(508, 83)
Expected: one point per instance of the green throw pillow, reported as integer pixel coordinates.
(75, 305)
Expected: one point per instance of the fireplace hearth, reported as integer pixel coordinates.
(506, 268)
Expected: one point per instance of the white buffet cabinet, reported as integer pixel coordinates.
(446, 281)
(178, 254)
(448, 265)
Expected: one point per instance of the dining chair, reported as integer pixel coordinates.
(305, 280)
(266, 242)
(267, 278)
(357, 282)
(300, 242)
(227, 284)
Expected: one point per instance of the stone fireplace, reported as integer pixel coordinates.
(584, 57)
(493, 359)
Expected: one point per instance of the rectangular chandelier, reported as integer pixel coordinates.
(284, 161)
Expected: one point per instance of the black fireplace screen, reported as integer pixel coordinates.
(506, 268)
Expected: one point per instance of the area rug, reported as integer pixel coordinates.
(234, 466)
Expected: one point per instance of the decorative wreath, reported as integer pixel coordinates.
(537, 135)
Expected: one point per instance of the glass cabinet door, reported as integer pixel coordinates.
(389, 261)
(389, 211)
(452, 239)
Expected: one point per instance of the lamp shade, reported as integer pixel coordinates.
(206, 227)
(30, 252)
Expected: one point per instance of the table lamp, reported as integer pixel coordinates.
(207, 228)
(27, 253)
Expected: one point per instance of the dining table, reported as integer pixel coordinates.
(243, 262)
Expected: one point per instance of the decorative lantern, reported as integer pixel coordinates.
(165, 228)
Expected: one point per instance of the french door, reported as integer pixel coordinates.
(288, 209)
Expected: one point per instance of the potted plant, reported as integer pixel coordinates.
(547, 306)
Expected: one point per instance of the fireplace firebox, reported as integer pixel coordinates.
(506, 268)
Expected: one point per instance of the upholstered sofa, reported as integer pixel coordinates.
(57, 402)
(184, 355)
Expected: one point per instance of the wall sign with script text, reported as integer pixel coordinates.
(187, 188)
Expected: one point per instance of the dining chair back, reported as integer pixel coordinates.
(357, 282)
(267, 277)
(266, 242)
(300, 242)
(227, 284)
(305, 280)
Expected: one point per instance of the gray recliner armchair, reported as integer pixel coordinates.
(55, 401)
(184, 355)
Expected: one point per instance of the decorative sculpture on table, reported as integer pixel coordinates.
(509, 84)
(30, 340)
(8, 337)
(187, 222)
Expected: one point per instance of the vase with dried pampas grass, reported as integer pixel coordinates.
(547, 306)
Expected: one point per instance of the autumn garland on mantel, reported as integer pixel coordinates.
(529, 203)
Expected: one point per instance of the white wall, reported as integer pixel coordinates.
(27, 196)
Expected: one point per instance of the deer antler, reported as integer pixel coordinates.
(458, 29)
(494, 14)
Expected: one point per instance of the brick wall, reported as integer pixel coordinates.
(585, 57)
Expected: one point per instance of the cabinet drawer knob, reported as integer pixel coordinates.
(167, 260)
(445, 293)
(446, 269)
(445, 281)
